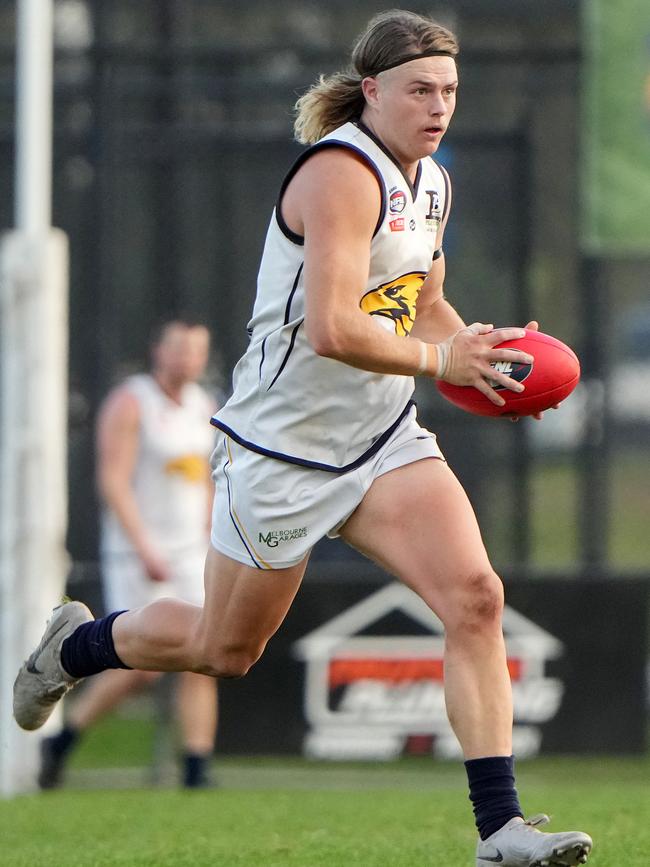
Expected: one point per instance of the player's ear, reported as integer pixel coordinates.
(370, 88)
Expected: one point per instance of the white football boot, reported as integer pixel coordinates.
(520, 844)
(42, 681)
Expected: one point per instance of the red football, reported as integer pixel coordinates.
(552, 376)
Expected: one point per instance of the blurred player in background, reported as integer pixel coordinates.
(321, 438)
(153, 448)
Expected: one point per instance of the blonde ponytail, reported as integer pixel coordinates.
(330, 103)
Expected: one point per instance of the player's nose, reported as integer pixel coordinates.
(437, 106)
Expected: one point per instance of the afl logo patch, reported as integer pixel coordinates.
(514, 369)
(397, 202)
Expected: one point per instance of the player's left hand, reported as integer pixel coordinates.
(532, 326)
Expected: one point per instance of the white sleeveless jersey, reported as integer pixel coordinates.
(171, 471)
(292, 404)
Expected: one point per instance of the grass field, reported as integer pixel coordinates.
(413, 813)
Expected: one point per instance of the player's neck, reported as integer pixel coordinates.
(409, 167)
(170, 386)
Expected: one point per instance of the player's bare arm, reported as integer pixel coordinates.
(118, 432)
(334, 202)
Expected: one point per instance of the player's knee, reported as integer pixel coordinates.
(227, 662)
(479, 604)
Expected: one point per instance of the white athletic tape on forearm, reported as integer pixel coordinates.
(443, 350)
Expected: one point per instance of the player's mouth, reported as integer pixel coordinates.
(434, 131)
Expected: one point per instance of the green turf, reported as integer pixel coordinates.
(409, 814)
(117, 740)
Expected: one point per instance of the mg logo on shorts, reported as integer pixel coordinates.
(272, 538)
(371, 693)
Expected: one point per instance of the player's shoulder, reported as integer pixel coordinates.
(123, 402)
(338, 164)
(341, 157)
(141, 388)
(335, 195)
(332, 182)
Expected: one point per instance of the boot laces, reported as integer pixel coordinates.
(537, 821)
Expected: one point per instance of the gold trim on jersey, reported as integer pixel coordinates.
(396, 301)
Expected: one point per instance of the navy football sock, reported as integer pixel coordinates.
(492, 792)
(90, 648)
(66, 739)
(195, 770)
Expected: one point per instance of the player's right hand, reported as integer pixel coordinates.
(155, 566)
(470, 353)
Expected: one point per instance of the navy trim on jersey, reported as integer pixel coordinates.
(262, 358)
(294, 236)
(445, 177)
(287, 312)
(437, 254)
(413, 187)
(287, 353)
(232, 517)
(315, 465)
(416, 185)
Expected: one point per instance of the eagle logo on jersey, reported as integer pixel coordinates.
(192, 468)
(396, 301)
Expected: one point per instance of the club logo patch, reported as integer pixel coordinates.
(433, 218)
(395, 302)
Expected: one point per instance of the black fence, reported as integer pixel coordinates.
(172, 134)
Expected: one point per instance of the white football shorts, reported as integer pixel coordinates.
(269, 513)
(125, 584)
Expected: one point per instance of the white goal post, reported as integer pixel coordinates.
(33, 392)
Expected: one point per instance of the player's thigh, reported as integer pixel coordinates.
(417, 522)
(244, 606)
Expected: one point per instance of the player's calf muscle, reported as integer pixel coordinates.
(158, 636)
